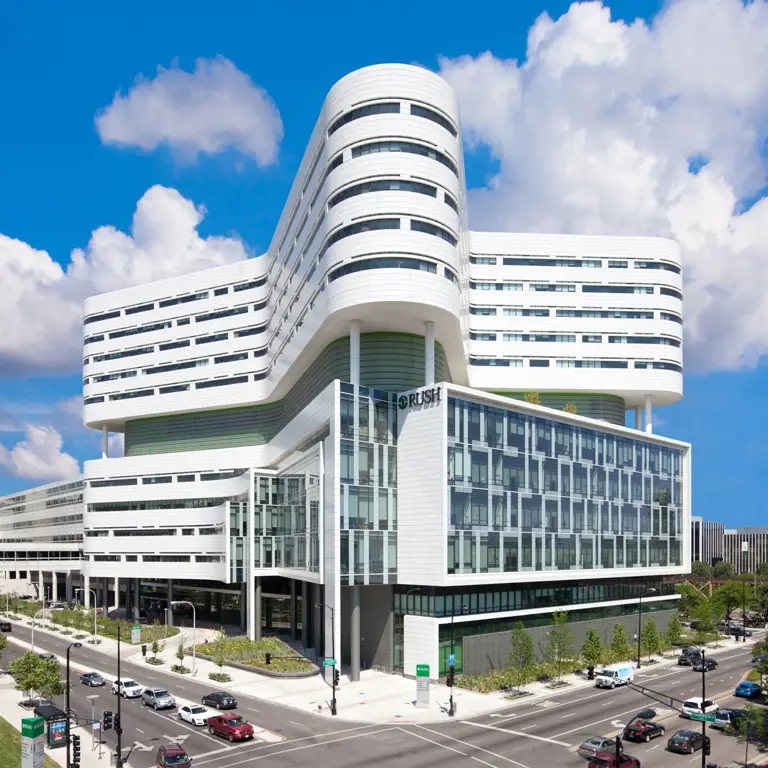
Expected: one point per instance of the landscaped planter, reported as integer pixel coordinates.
(312, 669)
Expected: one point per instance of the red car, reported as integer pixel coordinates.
(605, 760)
(232, 726)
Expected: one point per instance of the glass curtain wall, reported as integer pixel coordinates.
(368, 485)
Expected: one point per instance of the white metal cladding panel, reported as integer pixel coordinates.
(422, 494)
(421, 644)
(152, 570)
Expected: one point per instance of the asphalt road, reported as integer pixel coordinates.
(523, 735)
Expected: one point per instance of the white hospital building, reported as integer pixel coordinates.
(341, 422)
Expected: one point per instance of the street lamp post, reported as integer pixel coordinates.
(69, 711)
(650, 591)
(42, 610)
(194, 624)
(80, 589)
(452, 667)
(333, 651)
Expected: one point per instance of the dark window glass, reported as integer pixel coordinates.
(405, 146)
(387, 107)
(355, 229)
(433, 229)
(385, 262)
(383, 185)
(103, 316)
(435, 117)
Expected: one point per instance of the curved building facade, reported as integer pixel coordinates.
(262, 402)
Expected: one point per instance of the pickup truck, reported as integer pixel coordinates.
(231, 726)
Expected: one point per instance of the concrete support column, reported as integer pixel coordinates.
(429, 353)
(317, 620)
(86, 592)
(217, 599)
(306, 615)
(41, 586)
(170, 600)
(294, 611)
(54, 586)
(354, 352)
(136, 598)
(116, 604)
(128, 599)
(354, 635)
(243, 607)
(257, 609)
(104, 442)
(638, 417)
(68, 587)
(648, 414)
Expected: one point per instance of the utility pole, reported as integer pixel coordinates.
(704, 750)
(118, 722)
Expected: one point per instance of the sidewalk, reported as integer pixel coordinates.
(377, 697)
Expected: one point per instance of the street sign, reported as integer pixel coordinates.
(422, 670)
(32, 742)
(135, 634)
(451, 659)
(703, 717)
(329, 662)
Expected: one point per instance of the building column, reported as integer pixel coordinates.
(354, 635)
(54, 586)
(217, 599)
(136, 599)
(638, 417)
(116, 604)
(128, 599)
(648, 414)
(41, 586)
(104, 442)
(244, 608)
(354, 352)
(429, 353)
(68, 587)
(317, 621)
(306, 616)
(257, 609)
(294, 611)
(86, 592)
(170, 600)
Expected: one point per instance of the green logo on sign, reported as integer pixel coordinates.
(402, 401)
(422, 670)
(31, 727)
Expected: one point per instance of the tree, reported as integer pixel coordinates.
(571, 407)
(32, 673)
(762, 570)
(592, 650)
(220, 649)
(690, 598)
(730, 596)
(180, 651)
(723, 570)
(650, 638)
(157, 647)
(533, 398)
(621, 650)
(706, 622)
(760, 601)
(701, 570)
(751, 728)
(559, 648)
(674, 633)
(522, 657)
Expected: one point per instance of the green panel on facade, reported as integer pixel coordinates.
(608, 408)
(389, 361)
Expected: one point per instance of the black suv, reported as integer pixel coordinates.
(689, 657)
(6, 626)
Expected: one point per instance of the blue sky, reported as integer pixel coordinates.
(62, 65)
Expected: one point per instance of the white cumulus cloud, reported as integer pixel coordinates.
(39, 457)
(596, 132)
(206, 111)
(42, 304)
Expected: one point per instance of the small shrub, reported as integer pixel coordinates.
(155, 662)
(219, 677)
(80, 636)
(66, 631)
(180, 668)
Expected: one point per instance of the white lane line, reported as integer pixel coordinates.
(445, 746)
(214, 752)
(518, 733)
(301, 725)
(470, 745)
(178, 721)
(607, 704)
(528, 727)
(568, 715)
(650, 749)
(251, 709)
(139, 730)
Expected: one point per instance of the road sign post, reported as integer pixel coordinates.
(329, 662)
(135, 634)
(703, 717)
(422, 686)
(32, 742)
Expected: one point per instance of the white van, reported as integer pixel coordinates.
(615, 674)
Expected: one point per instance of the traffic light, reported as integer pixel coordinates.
(75, 750)
(117, 724)
(268, 658)
(107, 721)
(336, 678)
(448, 680)
(707, 747)
(451, 676)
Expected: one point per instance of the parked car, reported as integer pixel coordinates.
(172, 756)
(689, 657)
(128, 689)
(6, 626)
(615, 674)
(157, 698)
(705, 665)
(195, 714)
(92, 679)
(747, 690)
(605, 760)
(739, 632)
(643, 730)
(686, 741)
(594, 745)
(756, 660)
(231, 726)
(728, 718)
(697, 704)
(220, 700)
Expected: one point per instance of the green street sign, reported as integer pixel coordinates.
(422, 670)
(32, 727)
(329, 662)
(703, 717)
